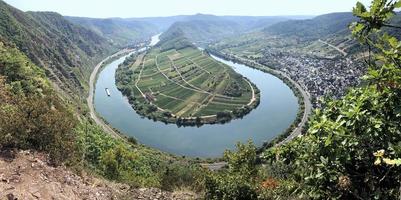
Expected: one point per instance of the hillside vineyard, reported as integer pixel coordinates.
(185, 86)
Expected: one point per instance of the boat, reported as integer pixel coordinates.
(107, 91)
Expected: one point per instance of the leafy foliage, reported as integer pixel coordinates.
(134, 164)
(31, 115)
(238, 181)
(22, 75)
(335, 158)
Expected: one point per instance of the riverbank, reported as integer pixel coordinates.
(92, 80)
(303, 96)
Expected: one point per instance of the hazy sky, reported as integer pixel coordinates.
(146, 8)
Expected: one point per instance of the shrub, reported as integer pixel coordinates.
(37, 122)
(335, 159)
(238, 181)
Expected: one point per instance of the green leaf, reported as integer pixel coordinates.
(359, 9)
(398, 4)
(393, 41)
(328, 141)
(358, 28)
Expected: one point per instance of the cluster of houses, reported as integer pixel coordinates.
(320, 76)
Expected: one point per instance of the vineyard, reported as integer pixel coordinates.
(185, 83)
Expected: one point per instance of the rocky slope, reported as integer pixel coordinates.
(27, 175)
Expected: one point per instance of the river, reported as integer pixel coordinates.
(277, 110)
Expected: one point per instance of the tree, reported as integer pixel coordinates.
(238, 181)
(335, 159)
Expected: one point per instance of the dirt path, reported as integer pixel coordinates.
(89, 100)
(161, 71)
(253, 93)
(196, 64)
(185, 81)
(334, 47)
(202, 91)
(141, 59)
(214, 166)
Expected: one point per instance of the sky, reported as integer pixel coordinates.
(152, 8)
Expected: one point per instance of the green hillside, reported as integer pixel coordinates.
(34, 117)
(351, 148)
(66, 51)
(205, 29)
(246, 23)
(316, 28)
(122, 32)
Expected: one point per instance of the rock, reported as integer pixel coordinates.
(32, 181)
(67, 180)
(11, 197)
(3, 179)
(36, 195)
(10, 188)
(14, 179)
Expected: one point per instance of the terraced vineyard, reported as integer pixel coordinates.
(185, 86)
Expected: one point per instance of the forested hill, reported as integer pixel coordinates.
(204, 29)
(322, 26)
(332, 28)
(66, 51)
(248, 22)
(199, 28)
(119, 31)
(174, 38)
(318, 27)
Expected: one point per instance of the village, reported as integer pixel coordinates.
(320, 76)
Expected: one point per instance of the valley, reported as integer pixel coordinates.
(200, 106)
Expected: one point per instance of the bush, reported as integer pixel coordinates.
(37, 122)
(180, 175)
(238, 181)
(229, 186)
(132, 140)
(336, 158)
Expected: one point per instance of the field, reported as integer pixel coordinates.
(188, 83)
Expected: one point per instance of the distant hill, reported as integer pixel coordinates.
(333, 28)
(315, 28)
(174, 39)
(250, 23)
(66, 51)
(247, 22)
(199, 28)
(204, 29)
(119, 31)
